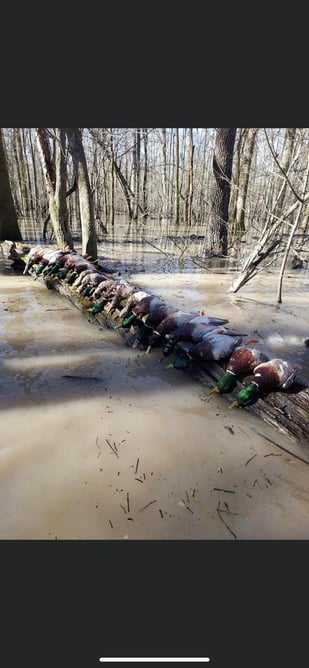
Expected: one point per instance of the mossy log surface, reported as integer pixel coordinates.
(287, 411)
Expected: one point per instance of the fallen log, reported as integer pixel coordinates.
(286, 411)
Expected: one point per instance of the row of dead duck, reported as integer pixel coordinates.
(192, 336)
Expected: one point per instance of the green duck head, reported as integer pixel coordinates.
(62, 273)
(72, 277)
(179, 363)
(97, 308)
(39, 269)
(50, 269)
(225, 384)
(127, 322)
(245, 396)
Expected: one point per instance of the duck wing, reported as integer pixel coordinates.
(214, 347)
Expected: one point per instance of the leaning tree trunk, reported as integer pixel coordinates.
(89, 236)
(8, 218)
(222, 171)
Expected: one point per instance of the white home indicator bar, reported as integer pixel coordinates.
(125, 659)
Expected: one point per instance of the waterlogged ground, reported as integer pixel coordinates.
(98, 441)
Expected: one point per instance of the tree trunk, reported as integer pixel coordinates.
(89, 236)
(176, 179)
(189, 190)
(222, 172)
(145, 177)
(247, 147)
(111, 182)
(136, 171)
(8, 218)
(55, 178)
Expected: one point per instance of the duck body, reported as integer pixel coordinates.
(148, 305)
(194, 331)
(90, 281)
(102, 288)
(242, 360)
(173, 320)
(163, 327)
(158, 313)
(268, 376)
(34, 257)
(213, 347)
(137, 296)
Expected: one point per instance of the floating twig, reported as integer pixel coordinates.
(111, 447)
(160, 511)
(282, 448)
(220, 489)
(111, 524)
(137, 463)
(128, 504)
(249, 460)
(147, 504)
(224, 522)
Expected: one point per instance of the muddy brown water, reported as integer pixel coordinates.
(98, 441)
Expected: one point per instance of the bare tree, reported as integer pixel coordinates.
(54, 168)
(136, 171)
(176, 178)
(222, 172)
(189, 189)
(89, 236)
(246, 146)
(9, 228)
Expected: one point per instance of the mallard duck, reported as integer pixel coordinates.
(243, 360)
(193, 331)
(102, 288)
(55, 262)
(46, 258)
(119, 289)
(126, 313)
(136, 296)
(174, 319)
(271, 375)
(148, 305)
(105, 293)
(170, 322)
(81, 276)
(34, 256)
(90, 282)
(79, 265)
(214, 346)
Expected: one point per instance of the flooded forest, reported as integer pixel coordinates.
(104, 436)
